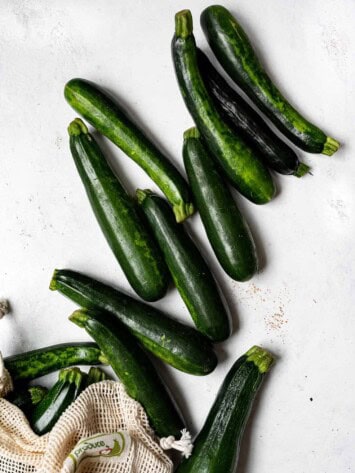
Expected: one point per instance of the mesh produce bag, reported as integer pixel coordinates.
(102, 431)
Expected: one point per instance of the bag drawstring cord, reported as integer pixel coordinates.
(184, 445)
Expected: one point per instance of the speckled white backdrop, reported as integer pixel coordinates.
(300, 306)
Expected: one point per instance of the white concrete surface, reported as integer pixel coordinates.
(300, 306)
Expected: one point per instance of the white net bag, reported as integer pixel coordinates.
(102, 431)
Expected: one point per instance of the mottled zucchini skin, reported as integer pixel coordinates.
(216, 448)
(239, 162)
(175, 343)
(234, 51)
(69, 385)
(111, 120)
(116, 213)
(133, 368)
(192, 277)
(36, 363)
(245, 120)
(225, 226)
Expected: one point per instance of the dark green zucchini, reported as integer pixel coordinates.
(175, 343)
(234, 51)
(36, 363)
(192, 277)
(225, 226)
(240, 163)
(116, 213)
(27, 397)
(134, 369)
(69, 385)
(242, 118)
(110, 120)
(216, 448)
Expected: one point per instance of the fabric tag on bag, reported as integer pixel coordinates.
(115, 447)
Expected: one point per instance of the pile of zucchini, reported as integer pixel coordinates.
(41, 406)
(230, 143)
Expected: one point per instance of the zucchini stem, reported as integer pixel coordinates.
(183, 211)
(261, 358)
(301, 170)
(142, 194)
(37, 393)
(330, 146)
(183, 24)
(96, 375)
(77, 127)
(79, 317)
(192, 133)
(72, 376)
(103, 359)
(53, 284)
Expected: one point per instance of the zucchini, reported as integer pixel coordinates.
(36, 363)
(59, 397)
(216, 448)
(116, 213)
(192, 277)
(110, 120)
(240, 163)
(27, 397)
(225, 226)
(175, 343)
(234, 51)
(242, 118)
(134, 369)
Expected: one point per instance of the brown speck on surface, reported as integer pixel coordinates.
(254, 289)
(276, 320)
(269, 303)
(255, 293)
